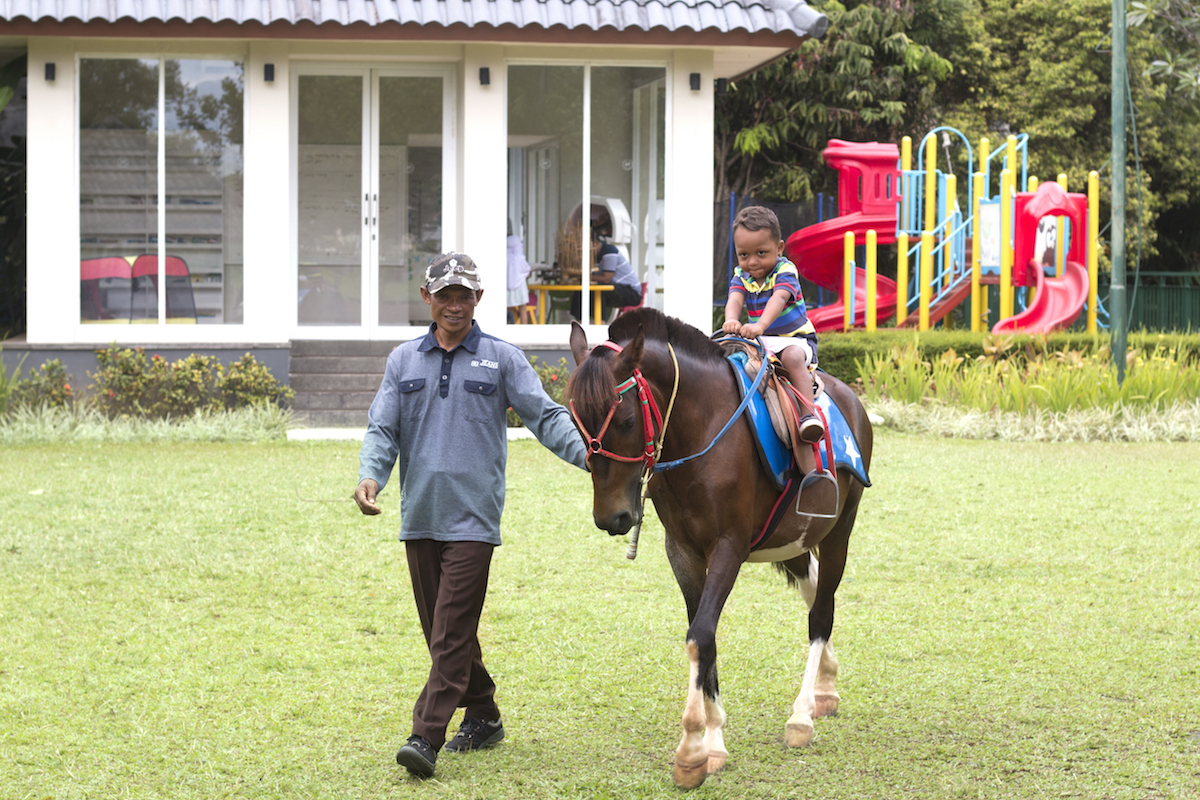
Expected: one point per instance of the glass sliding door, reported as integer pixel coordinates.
(370, 185)
(332, 198)
(410, 117)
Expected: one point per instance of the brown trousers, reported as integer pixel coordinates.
(449, 582)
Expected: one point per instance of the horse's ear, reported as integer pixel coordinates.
(631, 356)
(579, 348)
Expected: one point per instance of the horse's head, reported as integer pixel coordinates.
(610, 419)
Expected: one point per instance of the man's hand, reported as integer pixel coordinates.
(364, 495)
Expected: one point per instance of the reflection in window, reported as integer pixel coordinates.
(120, 122)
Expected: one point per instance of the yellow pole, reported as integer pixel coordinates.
(872, 268)
(901, 279)
(951, 198)
(926, 279)
(1031, 184)
(1093, 246)
(906, 187)
(948, 252)
(906, 152)
(930, 184)
(1060, 243)
(847, 278)
(1010, 153)
(1006, 252)
(976, 324)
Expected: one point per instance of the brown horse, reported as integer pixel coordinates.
(711, 506)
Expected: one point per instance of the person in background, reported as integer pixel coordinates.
(518, 289)
(612, 267)
(440, 412)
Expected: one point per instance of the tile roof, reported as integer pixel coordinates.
(721, 16)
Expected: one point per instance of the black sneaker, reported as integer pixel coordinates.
(475, 734)
(418, 757)
(811, 429)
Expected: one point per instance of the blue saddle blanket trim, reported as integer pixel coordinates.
(775, 454)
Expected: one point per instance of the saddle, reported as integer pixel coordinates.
(785, 405)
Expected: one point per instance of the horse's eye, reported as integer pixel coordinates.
(626, 424)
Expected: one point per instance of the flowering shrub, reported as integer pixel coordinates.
(48, 385)
(248, 382)
(554, 381)
(127, 383)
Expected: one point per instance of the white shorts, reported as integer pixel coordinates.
(518, 296)
(777, 344)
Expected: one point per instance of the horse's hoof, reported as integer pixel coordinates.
(827, 705)
(716, 761)
(689, 776)
(798, 734)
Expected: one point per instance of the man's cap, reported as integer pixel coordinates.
(451, 269)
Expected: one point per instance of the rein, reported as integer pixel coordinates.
(653, 450)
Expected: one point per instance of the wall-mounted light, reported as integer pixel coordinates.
(49, 70)
(485, 76)
(269, 73)
(722, 86)
(694, 80)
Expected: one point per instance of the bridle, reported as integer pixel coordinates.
(652, 451)
(651, 418)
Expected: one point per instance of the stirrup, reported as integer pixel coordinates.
(812, 478)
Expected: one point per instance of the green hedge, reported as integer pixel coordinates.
(837, 352)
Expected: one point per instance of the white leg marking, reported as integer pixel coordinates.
(827, 697)
(714, 737)
(799, 729)
(691, 757)
(808, 586)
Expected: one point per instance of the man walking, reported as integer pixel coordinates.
(441, 411)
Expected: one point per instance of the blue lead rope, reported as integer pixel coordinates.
(762, 371)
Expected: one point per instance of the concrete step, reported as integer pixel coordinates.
(337, 364)
(331, 419)
(325, 347)
(334, 382)
(332, 401)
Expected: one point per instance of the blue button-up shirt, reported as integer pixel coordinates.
(442, 416)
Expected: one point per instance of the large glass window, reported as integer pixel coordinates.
(160, 162)
(594, 132)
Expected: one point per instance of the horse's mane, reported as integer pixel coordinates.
(657, 325)
(592, 385)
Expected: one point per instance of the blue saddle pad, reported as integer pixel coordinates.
(775, 455)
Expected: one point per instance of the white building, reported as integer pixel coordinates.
(266, 171)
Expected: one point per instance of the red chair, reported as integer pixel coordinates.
(181, 305)
(104, 289)
(622, 309)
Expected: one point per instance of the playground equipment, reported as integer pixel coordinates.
(956, 256)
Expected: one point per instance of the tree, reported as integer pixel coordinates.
(1175, 24)
(866, 80)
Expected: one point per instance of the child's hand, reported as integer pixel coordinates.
(731, 326)
(752, 331)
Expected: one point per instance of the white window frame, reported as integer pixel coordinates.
(159, 332)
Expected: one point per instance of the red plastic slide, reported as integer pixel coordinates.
(868, 193)
(1057, 302)
(817, 252)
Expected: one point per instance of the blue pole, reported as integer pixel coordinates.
(732, 207)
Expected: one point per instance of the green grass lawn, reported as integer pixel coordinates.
(218, 620)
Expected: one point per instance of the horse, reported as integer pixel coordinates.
(711, 506)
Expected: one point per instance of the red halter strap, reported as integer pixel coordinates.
(650, 418)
